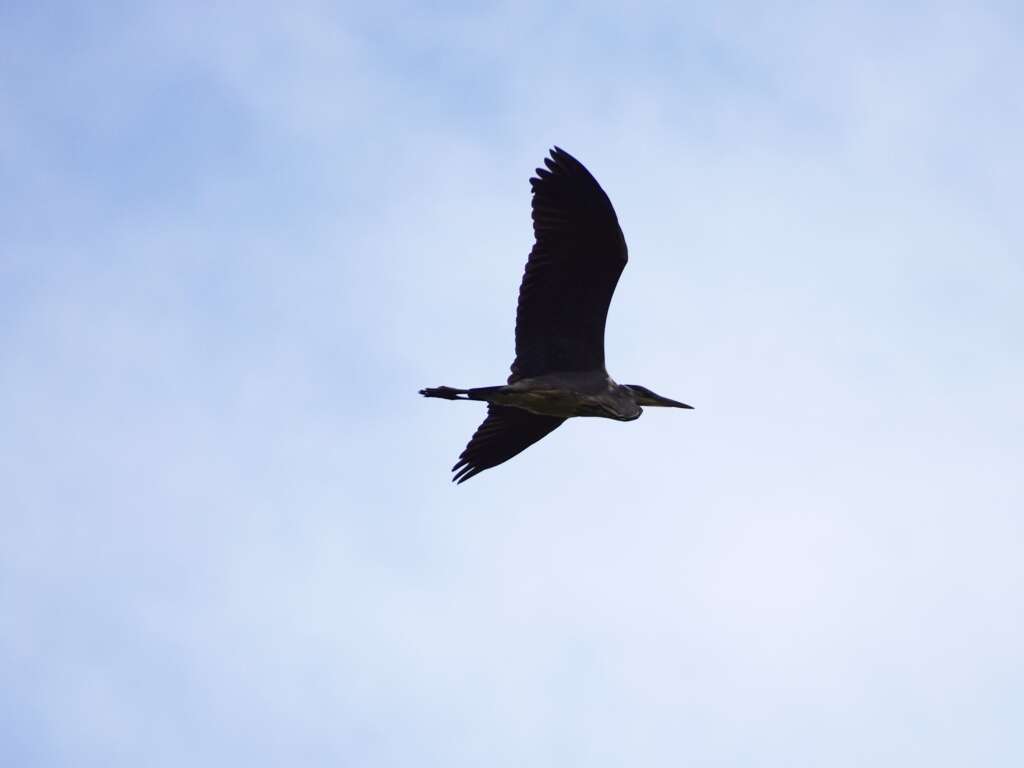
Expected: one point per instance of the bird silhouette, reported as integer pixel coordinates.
(559, 369)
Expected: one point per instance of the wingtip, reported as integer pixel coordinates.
(560, 154)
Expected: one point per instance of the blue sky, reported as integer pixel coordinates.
(238, 239)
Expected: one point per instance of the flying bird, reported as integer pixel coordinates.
(559, 370)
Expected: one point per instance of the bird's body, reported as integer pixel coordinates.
(572, 393)
(559, 370)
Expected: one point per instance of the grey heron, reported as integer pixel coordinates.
(559, 370)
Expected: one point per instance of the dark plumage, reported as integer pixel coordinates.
(559, 370)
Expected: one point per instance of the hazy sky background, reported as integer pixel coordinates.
(236, 239)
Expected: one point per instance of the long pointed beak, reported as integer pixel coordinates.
(667, 403)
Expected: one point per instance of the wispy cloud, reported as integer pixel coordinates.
(237, 243)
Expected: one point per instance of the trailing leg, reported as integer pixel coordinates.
(447, 393)
(485, 394)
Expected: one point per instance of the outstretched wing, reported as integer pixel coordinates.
(571, 274)
(505, 432)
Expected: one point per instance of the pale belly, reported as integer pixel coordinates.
(563, 404)
(546, 402)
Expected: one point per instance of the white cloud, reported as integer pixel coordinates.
(227, 529)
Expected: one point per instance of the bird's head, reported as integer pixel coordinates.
(644, 396)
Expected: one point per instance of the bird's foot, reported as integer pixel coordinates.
(448, 393)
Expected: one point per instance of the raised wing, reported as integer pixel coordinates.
(505, 432)
(571, 274)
